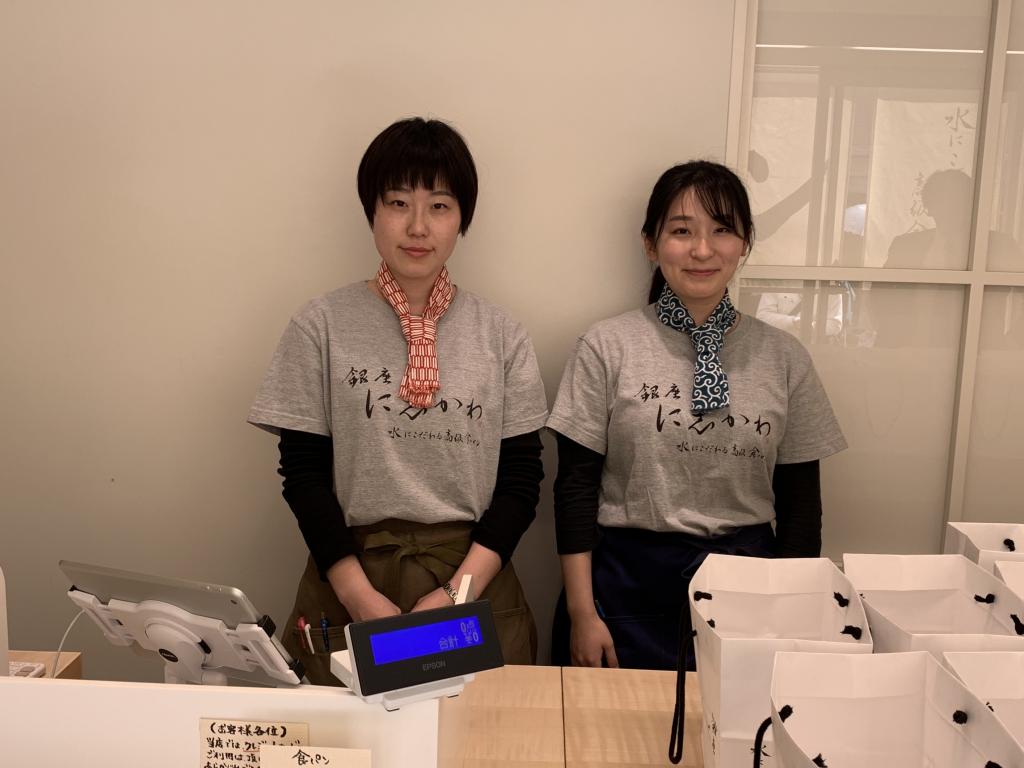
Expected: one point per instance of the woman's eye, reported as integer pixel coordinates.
(680, 231)
(440, 206)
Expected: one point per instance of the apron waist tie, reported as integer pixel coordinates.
(438, 558)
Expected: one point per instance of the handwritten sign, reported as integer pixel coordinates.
(236, 743)
(313, 757)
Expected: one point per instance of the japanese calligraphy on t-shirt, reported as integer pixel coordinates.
(626, 394)
(337, 372)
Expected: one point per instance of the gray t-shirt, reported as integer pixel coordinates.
(626, 394)
(337, 371)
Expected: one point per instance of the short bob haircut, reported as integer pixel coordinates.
(418, 153)
(719, 191)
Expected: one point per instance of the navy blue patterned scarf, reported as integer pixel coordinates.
(710, 384)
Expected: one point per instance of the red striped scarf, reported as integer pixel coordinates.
(421, 379)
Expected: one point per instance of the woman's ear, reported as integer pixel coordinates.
(650, 249)
(746, 254)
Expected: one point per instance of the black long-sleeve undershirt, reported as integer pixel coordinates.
(307, 466)
(797, 490)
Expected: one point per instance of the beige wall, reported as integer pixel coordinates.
(177, 178)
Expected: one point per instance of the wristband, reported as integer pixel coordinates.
(450, 591)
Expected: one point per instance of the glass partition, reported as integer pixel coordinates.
(995, 480)
(892, 380)
(1006, 234)
(864, 130)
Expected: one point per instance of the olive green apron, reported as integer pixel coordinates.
(404, 561)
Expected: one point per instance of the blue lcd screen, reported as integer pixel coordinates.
(425, 640)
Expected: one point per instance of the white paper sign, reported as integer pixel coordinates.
(313, 757)
(237, 743)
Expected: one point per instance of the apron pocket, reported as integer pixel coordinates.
(517, 634)
(317, 663)
(335, 636)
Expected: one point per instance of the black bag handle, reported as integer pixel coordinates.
(686, 635)
(762, 729)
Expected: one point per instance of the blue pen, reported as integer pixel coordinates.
(323, 628)
(600, 610)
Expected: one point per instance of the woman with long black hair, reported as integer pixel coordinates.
(683, 428)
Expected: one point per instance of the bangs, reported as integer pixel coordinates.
(415, 167)
(719, 204)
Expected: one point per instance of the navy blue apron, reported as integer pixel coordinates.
(640, 582)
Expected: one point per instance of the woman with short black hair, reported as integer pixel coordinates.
(409, 413)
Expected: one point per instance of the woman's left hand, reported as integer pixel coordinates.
(438, 598)
(481, 562)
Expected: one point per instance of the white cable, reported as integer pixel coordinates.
(56, 656)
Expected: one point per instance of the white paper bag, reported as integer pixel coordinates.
(744, 609)
(984, 543)
(1012, 574)
(894, 709)
(935, 603)
(997, 678)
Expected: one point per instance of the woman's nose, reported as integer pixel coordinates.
(417, 221)
(702, 247)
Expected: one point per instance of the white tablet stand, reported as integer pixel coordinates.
(195, 649)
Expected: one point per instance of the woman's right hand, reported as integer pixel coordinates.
(356, 593)
(590, 641)
(589, 638)
(370, 605)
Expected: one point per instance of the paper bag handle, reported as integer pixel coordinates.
(784, 713)
(686, 635)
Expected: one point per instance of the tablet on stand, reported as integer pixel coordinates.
(202, 631)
